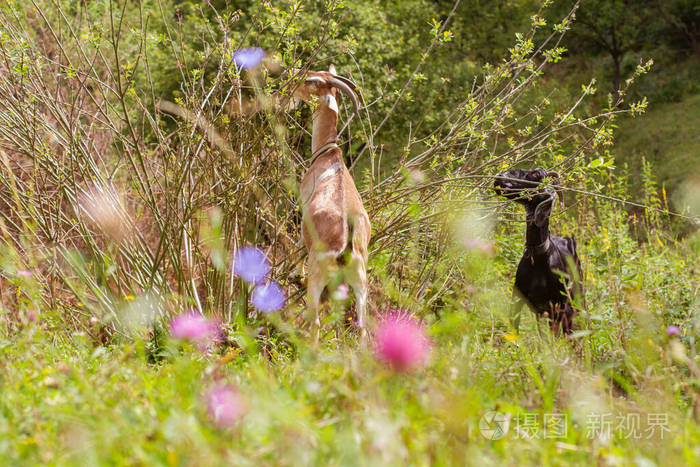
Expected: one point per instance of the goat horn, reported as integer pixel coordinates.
(554, 194)
(315, 79)
(351, 85)
(558, 192)
(347, 91)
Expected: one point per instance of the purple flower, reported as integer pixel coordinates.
(24, 273)
(225, 405)
(195, 327)
(401, 342)
(673, 331)
(249, 58)
(268, 297)
(250, 264)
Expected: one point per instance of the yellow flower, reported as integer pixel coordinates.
(129, 297)
(510, 337)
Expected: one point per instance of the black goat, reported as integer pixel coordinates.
(544, 279)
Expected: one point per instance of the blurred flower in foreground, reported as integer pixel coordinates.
(673, 331)
(24, 273)
(269, 297)
(472, 231)
(249, 58)
(250, 264)
(401, 342)
(485, 247)
(104, 208)
(510, 337)
(31, 316)
(341, 293)
(225, 405)
(195, 327)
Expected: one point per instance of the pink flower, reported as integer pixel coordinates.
(401, 342)
(31, 316)
(193, 326)
(225, 405)
(341, 293)
(24, 273)
(673, 331)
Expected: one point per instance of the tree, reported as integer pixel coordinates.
(615, 27)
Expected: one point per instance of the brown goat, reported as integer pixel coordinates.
(335, 225)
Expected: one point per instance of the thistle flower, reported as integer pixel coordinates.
(673, 331)
(401, 342)
(249, 58)
(195, 327)
(269, 297)
(225, 405)
(250, 264)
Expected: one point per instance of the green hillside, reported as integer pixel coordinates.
(667, 136)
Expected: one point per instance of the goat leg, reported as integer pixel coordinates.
(516, 311)
(314, 290)
(358, 282)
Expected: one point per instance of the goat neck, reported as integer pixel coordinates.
(536, 237)
(325, 122)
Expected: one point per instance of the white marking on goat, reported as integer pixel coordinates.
(329, 171)
(330, 101)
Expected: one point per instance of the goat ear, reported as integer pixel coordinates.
(544, 210)
(331, 69)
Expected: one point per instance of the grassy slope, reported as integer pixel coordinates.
(668, 136)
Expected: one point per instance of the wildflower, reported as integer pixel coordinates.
(24, 273)
(341, 293)
(225, 405)
(672, 331)
(31, 316)
(193, 326)
(269, 297)
(249, 58)
(477, 244)
(510, 337)
(250, 264)
(401, 342)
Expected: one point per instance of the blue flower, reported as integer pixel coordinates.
(269, 297)
(250, 264)
(249, 58)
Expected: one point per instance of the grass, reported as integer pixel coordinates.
(667, 137)
(68, 400)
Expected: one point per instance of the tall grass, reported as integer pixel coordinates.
(214, 164)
